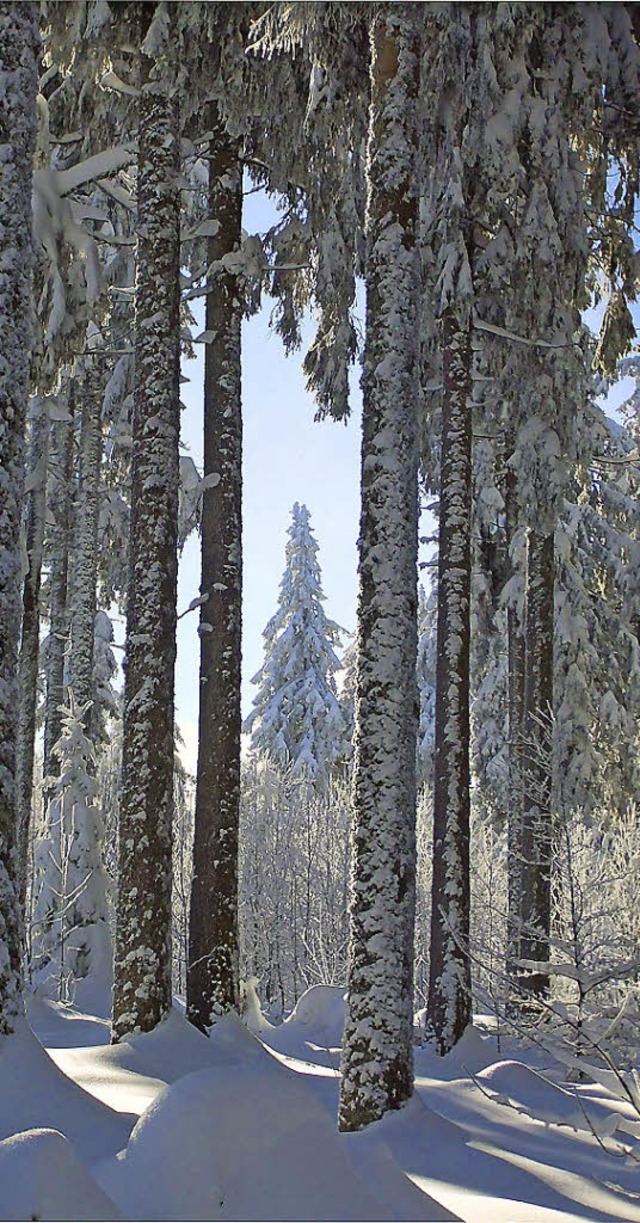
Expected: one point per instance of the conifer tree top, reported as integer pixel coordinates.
(296, 718)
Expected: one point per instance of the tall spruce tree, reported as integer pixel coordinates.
(548, 263)
(213, 971)
(18, 79)
(426, 672)
(59, 507)
(297, 719)
(142, 966)
(34, 529)
(86, 884)
(377, 1059)
(449, 1002)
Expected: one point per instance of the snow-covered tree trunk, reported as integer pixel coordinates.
(537, 823)
(60, 508)
(449, 1004)
(30, 637)
(85, 876)
(142, 966)
(18, 81)
(515, 651)
(85, 552)
(47, 849)
(515, 715)
(212, 977)
(377, 1060)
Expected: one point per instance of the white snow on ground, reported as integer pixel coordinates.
(35, 1094)
(312, 1032)
(42, 1177)
(232, 1129)
(129, 1075)
(266, 1143)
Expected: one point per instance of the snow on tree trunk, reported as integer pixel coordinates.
(515, 714)
(85, 560)
(449, 1004)
(30, 638)
(45, 880)
(537, 831)
(515, 650)
(18, 85)
(377, 1060)
(84, 873)
(47, 848)
(142, 968)
(212, 977)
(60, 509)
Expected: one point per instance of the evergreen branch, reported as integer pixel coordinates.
(505, 334)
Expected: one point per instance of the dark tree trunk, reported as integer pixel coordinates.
(85, 561)
(515, 665)
(18, 70)
(142, 967)
(515, 651)
(46, 899)
(377, 1059)
(537, 829)
(449, 1003)
(85, 875)
(212, 979)
(30, 638)
(60, 505)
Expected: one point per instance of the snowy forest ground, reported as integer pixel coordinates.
(172, 1125)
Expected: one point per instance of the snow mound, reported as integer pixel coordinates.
(313, 1031)
(42, 1178)
(35, 1094)
(129, 1075)
(59, 1026)
(473, 1052)
(175, 1048)
(239, 1142)
(527, 1091)
(231, 1043)
(321, 1009)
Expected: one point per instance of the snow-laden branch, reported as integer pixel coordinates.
(194, 605)
(628, 459)
(505, 334)
(100, 166)
(576, 972)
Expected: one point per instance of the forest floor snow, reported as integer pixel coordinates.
(174, 1125)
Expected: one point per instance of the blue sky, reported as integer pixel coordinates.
(288, 457)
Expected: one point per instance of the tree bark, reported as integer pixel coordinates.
(516, 681)
(30, 637)
(48, 849)
(449, 1002)
(60, 504)
(18, 77)
(213, 972)
(377, 1059)
(537, 829)
(85, 566)
(86, 878)
(142, 968)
